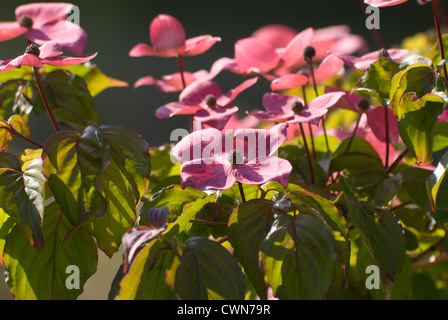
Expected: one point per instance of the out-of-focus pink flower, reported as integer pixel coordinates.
(277, 35)
(213, 161)
(169, 40)
(206, 101)
(375, 115)
(35, 56)
(253, 55)
(388, 3)
(329, 67)
(363, 62)
(235, 123)
(281, 107)
(43, 22)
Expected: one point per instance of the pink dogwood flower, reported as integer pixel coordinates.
(253, 55)
(374, 115)
(292, 109)
(329, 67)
(43, 22)
(388, 3)
(169, 40)
(206, 101)
(35, 56)
(363, 62)
(212, 160)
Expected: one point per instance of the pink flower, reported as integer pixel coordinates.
(213, 161)
(253, 55)
(43, 22)
(49, 53)
(375, 116)
(168, 39)
(329, 67)
(364, 62)
(387, 3)
(277, 35)
(281, 107)
(206, 101)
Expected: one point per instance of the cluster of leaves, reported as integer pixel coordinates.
(95, 186)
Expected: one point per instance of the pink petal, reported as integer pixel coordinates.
(68, 35)
(50, 49)
(42, 13)
(330, 67)
(293, 53)
(223, 64)
(289, 81)
(203, 176)
(10, 30)
(277, 35)
(215, 117)
(325, 101)
(362, 63)
(384, 3)
(263, 170)
(141, 50)
(256, 143)
(196, 93)
(309, 116)
(228, 97)
(145, 81)
(199, 45)
(254, 54)
(175, 108)
(26, 60)
(167, 34)
(349, 101)
(66, 61)
(200, 145)
(270, 116)
(375, 119)
(281, 103)
(246, 123)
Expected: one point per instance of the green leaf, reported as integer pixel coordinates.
(13, 99)
(69, 99)
(418, 78)
(93, 175)
(6, 225)
(34, 274)
(377, 80)
(299, 256)
(248, 227)
(440, 136)
(417, 129)
(437, 190)
(202, 269)
(21, 196)
(146, 277)
(382, 236)
(95, 79)
(414, 181)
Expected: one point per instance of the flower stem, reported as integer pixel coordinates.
(21, 136)
(434, 4)
(308, 155)
(44, 99)
(386, 125)
(354, 133)
(309, 125)
(243, 197)
(310, 63)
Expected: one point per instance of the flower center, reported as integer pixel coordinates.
(33, 49)
(210, 101)
(297, 107)
(26, 21)
(364, 105)
(383, 54)
(309, 52)
(235, 158)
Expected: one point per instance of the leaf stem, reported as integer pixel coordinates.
(243, 197)
(308, 155)
(434, 4)
(44, 99)
(397, 161)
(354, 133)
(21, 136)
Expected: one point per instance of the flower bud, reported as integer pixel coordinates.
(25, 21)
(309, 52)
(33, 49)
(364, 105)
(210, 101)
(235, 158)
(297, 107)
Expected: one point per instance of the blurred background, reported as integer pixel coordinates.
(115, 26)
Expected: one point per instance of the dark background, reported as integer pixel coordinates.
(115, 26)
